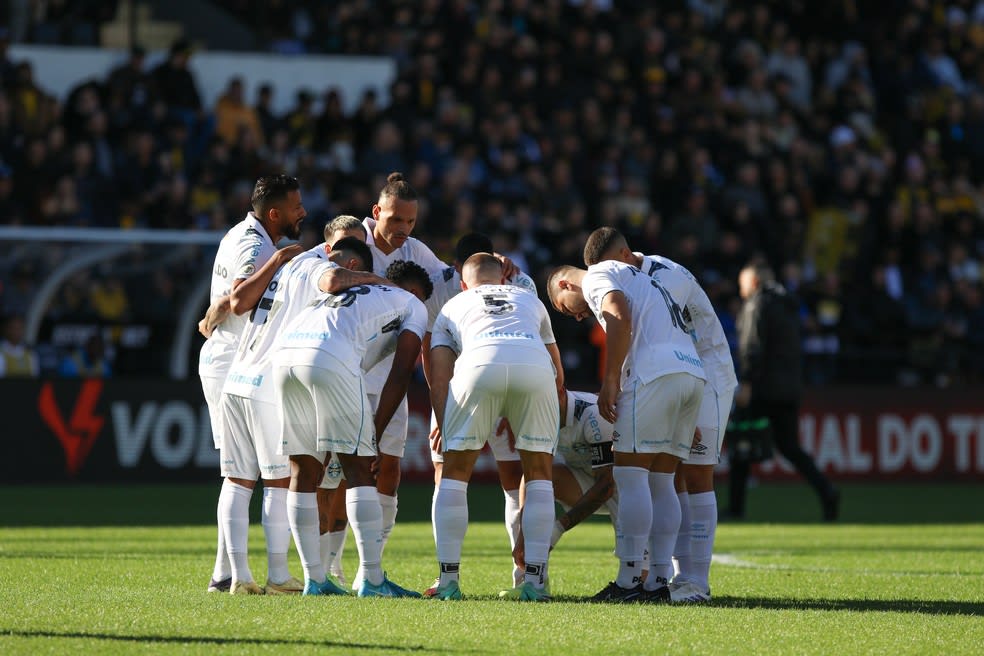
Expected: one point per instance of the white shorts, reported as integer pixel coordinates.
(212, 388)
(249, 447)
(498, 444)
(478, 396)
(659, 416)
(586, 480)
(322, 410)
(712, 418)
(393, 441)
(333, 474)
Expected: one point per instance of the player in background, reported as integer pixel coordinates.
(488, 360)
(250, 414)
(447, 285)
(244, 265)
(651, 391)
(694, 481)
(318, 371)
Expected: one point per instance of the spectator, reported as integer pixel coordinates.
(17, 358)
(87, 361)
(175, 85)
(233, 116)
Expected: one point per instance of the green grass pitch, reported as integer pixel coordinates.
(99, 569)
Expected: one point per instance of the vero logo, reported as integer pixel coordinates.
(79, 434)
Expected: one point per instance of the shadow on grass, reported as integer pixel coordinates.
(971, 608)
(212, 640)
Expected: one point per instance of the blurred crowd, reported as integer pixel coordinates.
(842, 141)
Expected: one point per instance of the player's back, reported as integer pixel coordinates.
(662, 342)
(447, 285)
(243, 250)
(495, 323)
(357, 327)
(710, 340)
(293, 287)
(584, 431)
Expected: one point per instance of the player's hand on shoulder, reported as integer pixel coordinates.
(509, 268)
(288, 253)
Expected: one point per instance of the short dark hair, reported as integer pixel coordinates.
(473, 242)
(357, 247)
(402, 271)
(270, 190)
(599, 242)
(397, 187)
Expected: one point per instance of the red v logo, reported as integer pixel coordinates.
(83, 428)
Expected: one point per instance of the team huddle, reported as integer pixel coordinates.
(307, 364)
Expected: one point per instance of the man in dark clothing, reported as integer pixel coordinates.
(770, 373)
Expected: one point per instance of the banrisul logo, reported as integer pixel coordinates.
(79, 433)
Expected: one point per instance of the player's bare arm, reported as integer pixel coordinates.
(340, 279)
(425, 356)
(618, 337)
(442, 367)
(395, 388)
(247, 293)
(215, 315)
(558, 365)
(591, 500)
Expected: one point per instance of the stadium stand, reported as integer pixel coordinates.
(842, 141)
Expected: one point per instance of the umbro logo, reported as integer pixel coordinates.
(615, 436)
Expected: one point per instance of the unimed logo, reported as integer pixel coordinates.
(83, 427)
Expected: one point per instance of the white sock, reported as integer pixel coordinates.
(276, 528)
(664, 529)
(538, 521)
(332, 546)
(302, 513)
(366, 517)
(703, 526)
(682, 564)
(223, 567)
(512, 514)
(234, 518)
(389, 505)
(635, 518)
(450, 525)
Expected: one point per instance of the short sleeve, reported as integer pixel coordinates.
(249, 255)
(443, 334)
(546, 329)
(416, 319)
(597, 284)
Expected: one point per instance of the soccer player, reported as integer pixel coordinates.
(331, 490)
(582, 467)
(447, 284)
(250, 414)
(651, 391)
(491, 337)
(244, 265)
(694, 480)
(388, 236)
(318, 372)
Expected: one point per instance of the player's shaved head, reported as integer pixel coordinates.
(481, 269)
(604, 244)
(563, 272)
(344, 225)
(351, 253)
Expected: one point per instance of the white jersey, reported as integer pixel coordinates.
(293, 288)
(243, 250)
(585, 440)
(357, 327)
(412, 250)
(495, 323)
(710, 340)
(447, 285)
(662, 340)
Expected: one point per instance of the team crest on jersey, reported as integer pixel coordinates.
(334, 469)
(579, 407)
(615, 436)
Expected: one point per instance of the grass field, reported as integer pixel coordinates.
(122, 570)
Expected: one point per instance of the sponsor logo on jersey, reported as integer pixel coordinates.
(504, 334)
(580, 405)
(689, 359)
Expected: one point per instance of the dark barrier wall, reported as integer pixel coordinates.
(153, 430)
